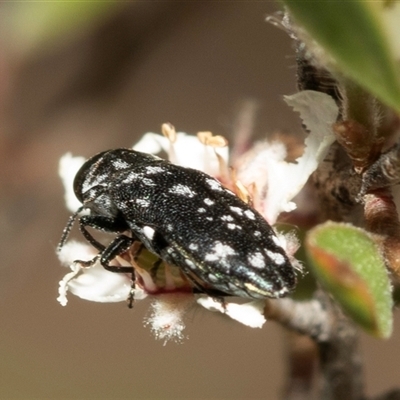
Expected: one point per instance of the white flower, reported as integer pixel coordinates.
(94, 283)
(262, 175)
(277, 182)
(250, 314)
(204, 152)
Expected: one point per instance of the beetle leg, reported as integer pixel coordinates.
(120, 244)
(109, 252)
(100, 223)
(116, 247)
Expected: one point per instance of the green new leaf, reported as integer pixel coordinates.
(347, 262)
(360, 38)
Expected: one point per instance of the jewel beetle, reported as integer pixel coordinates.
(186, 218)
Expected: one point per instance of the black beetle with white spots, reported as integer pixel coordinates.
(186, 218)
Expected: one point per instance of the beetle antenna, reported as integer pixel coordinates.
(68, 228)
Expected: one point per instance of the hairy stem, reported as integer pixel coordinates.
(340, 369)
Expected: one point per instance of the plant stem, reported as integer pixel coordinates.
(340, 369)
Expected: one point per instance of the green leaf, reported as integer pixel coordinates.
(357, 35)
(348, 263)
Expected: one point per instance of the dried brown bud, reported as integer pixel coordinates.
(382, 219)
(362, 149)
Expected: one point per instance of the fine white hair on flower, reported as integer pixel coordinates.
(290, 243)
(166, 315)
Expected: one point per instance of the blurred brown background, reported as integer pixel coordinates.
(100, 82)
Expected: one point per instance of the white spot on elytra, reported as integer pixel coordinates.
(119, 164)
(193, 246)
(209, 202)
(257, 233)
(257, 260)
(132, 176)
(142, 202)
(276, 240)
(214, 185)
(90, 182)
(170, 228)
(220, 252)
(233, 288)
(190, 263)
(212, 278)
(227, 218)
(201, 210)
(234, 226)
(182, 190)
(277, 258)
(148, 182)
(237, 210)
(249, 214)
(154, 170)
(148, 232)
(209, 218)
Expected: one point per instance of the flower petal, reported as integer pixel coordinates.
(186, 151)
(91, 283)
(250, 314)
